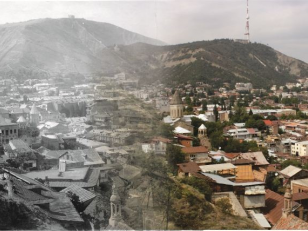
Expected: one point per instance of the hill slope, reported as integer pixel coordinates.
(219, 61)
(49, 47)
(62, 45)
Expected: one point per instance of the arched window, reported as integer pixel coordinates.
(118, 209)
(113, 209)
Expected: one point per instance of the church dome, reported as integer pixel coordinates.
(34, 110)
(202, 127)
(176, 99)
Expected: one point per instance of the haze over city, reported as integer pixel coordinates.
(281, 23)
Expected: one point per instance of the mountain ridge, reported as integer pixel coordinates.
(49, 47)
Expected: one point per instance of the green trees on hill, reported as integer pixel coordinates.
(174, 156)
(201, 185)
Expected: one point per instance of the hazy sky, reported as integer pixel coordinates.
(282, 24)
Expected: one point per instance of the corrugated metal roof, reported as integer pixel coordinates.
(290, 171)
(259, 218)
(221, 180)
(84, 195)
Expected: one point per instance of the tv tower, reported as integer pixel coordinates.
(247, 25)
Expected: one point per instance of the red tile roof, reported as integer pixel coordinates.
(192, 150)
(232, 155)
(291, 222)
(183, 137)
(251, 131)
(268, 122)
(161, 139)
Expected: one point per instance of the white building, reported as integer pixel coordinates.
(299, 149)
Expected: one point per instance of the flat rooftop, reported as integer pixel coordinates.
(69, 174)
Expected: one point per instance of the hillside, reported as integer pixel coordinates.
(53, 47)
(63, 45)
(219, 61)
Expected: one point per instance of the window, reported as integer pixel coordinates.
(7, 132)
(11, 131)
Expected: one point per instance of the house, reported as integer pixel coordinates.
(53, 128)
(184, 140)
(243, 133)
(85, 196)
(292, 173)
(299, 148)
(188, 169)
(86, 143)
(197, 154)
(257, 157)
(182, 131)
(226, 170)
(288, 220)
(272, 126)
(8, 131)
(81, 158)
(274, 204)
(61, 178)
(18, 149)
(158, 145)
(300, 185)
(52, 141)
(222, 184)
(244, 172)
(55, 205)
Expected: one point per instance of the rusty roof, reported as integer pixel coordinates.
(189, 167)
(232, 155)
(273, 206)
(300, 196)
(198, 149)
(242, 162)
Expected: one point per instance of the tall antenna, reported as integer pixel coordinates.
(247, 26)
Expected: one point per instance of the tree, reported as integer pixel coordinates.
(174, 156)
(75, 200)
(271, 117)
(200, 184)
(165, 130)
(204, 105)
(215, 111)
(287, 163)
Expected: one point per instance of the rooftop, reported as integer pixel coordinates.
(290, 171)
(83, 194)
(192, 150)
(70, 174)
(189, 167)
(216, 167)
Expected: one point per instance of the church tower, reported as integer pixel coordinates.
(176, 106)
(287, 206)
(115, 203)
(34, 115)
(202, 135)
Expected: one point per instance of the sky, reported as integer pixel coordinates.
(281, 24)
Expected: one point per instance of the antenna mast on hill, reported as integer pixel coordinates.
(247, 25)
